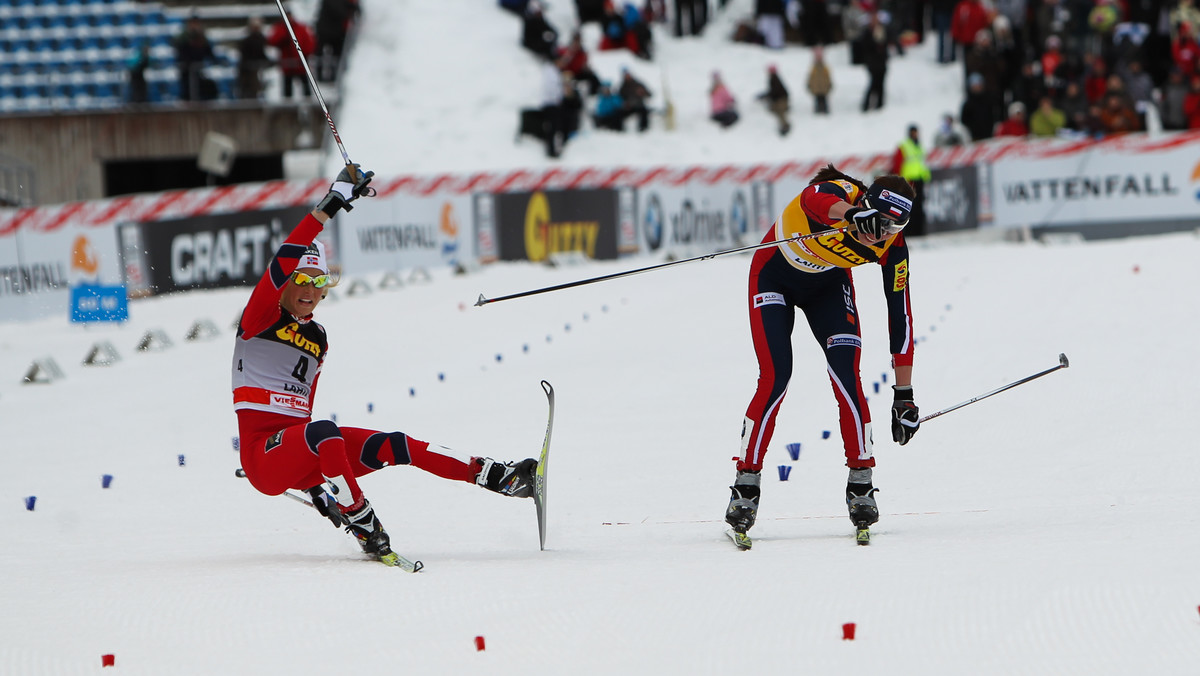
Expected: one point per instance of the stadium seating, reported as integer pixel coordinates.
(75, 54)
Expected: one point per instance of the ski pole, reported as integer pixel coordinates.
(1062, 364)
(316, 90)
(628, 273)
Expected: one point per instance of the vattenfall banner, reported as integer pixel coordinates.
(404, 231)
(39, 268)
(1100, 185)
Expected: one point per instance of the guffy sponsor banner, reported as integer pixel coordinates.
(1100, 184)
(536, 225)
(405, 231)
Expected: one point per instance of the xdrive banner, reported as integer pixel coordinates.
(207, 252)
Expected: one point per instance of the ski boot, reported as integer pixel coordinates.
(362, 524)
(743, 504)
(860, 501)
(514, 479)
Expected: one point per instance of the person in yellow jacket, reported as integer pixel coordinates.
(909, 162)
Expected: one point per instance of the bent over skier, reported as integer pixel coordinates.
(277, 361)
(814, 275)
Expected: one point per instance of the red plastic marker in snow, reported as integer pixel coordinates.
(479, 643)
(848, 631)
(108, 660)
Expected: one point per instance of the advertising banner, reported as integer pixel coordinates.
(951, 199)
(403, 231)
(698, 218)
(1097, 186)
(39, 268)
(208, 252)
(535, 225)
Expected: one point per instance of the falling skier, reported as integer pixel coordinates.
(277, 361)
(864, 226)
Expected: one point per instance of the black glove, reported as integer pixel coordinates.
(327, 505)
(867, 221)
(905, 416)
(350, 184)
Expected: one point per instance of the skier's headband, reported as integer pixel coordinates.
(891, 204)
(314, 257)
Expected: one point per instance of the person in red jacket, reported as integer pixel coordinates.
(1014, 124)
(856, 225)
(277, 360)
(291, 64)
(969, 17)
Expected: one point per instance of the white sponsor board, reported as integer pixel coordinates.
(698, 217)
(38, 268)
(404, 231)
(1096, 185)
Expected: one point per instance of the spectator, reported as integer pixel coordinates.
(517, 7)
(1047, 120)
(941, 15)
(572, 107)
(1117, 115)
(537, 35)
(1094, 126)
(192, 51)
(1138, 85)
(949, 133)
(722, 105)
(1173, 94)
(1009, 57)
(291, 61)
(1191, 102)
(909, 162)
(1014, 125)
(855, 17)
(815, 27)
(634, 95)
(1185, 50)
(1014, 13)
(1185, 13)
(1028, 88)
(1052, 62)
(1052, 17)
(874, 48)
(137, 64)
(333, 22)
(696, 12)
(820, 83)
(252, 60)
(1095, 80)
(1074, 105)
(553, 127)
(970, 17)
(608, 113)
(776, 98)
(573, 59)
(625, 29)
(978, 112)
(981, 58)
(769, 21)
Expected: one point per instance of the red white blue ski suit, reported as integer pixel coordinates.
(814, 275)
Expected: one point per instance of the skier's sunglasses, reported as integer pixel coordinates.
(301, 279)
(894, 226)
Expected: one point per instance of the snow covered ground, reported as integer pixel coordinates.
(1047, 530)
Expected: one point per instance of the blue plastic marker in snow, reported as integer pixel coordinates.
(784, 471)
(794, 450)
(30, 502)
